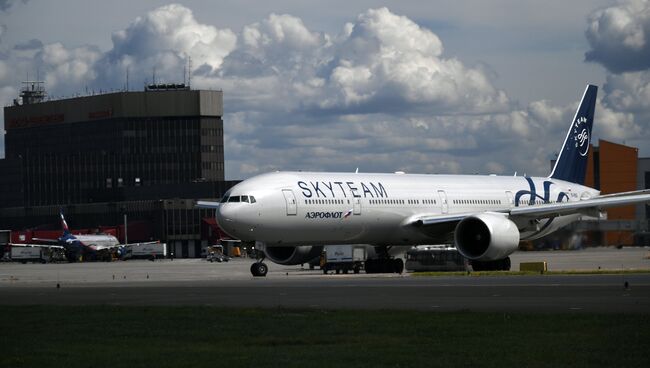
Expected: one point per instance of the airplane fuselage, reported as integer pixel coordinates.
(91, 243)
(311, 208)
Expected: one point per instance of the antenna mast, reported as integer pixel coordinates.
(189, 71)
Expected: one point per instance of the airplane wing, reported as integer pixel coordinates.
(35, 245)
(137, 244)
(587, 206)
(46, 240)
(207, 204)
(584, 206)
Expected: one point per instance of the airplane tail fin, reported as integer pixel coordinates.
(571, 164)
(64, 225)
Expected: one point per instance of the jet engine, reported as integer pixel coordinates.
(486, 237)
(289, 256)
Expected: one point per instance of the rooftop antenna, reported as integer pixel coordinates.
(127, 78)
(33, 92)
(189, 71)
(154, 75)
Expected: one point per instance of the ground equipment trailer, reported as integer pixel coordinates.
(343, 258)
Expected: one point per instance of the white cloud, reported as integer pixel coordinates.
(620, 39)
(385, 62)
(67, 69)
(381, 95)
(629, 92)
(620, 36)
(163, 40)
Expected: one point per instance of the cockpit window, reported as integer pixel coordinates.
(225, 197)
(237, 199)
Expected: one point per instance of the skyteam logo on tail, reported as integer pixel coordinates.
(581, 135)
(571, 164)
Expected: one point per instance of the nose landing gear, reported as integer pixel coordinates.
(259, 269)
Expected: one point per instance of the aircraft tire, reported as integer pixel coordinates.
(370, 266)
(259, 269)
(506, 264)
(263, 269)
(398, 265)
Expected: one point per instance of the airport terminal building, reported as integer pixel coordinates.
(149, 154)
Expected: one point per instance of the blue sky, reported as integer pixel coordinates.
(430, 87)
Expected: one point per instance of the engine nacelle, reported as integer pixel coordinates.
(290, 256)
(486, 237)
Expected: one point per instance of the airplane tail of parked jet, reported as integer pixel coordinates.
(64, 225)
(571, 164)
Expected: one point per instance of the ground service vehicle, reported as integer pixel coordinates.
(427, 258)
(29, 254)
(146, 251)
(215, 254)
(344, 258)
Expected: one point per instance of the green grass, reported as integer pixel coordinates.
(105, 336)
(523, 273)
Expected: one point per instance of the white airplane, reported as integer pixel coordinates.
(291, 215)
(89, 246)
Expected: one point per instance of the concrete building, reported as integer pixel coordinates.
(148, 154)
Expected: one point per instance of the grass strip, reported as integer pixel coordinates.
(117, 336)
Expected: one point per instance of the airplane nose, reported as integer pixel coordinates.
(229, 218)
(224, 216)
(235, 220)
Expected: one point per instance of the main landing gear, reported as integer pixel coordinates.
(500, 265)
(259, 268)
(384, 263)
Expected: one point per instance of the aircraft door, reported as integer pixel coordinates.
(511, 199)
(356, 205)
(443, 201)
(290, 199)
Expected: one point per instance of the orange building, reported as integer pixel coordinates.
(612, 168)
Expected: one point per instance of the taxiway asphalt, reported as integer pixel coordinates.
(197, 282)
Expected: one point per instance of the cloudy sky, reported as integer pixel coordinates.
(468, 86)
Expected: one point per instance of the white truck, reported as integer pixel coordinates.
(28, 254)
(150, 251)
(343, 258)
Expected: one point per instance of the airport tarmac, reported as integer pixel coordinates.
(197, 282)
